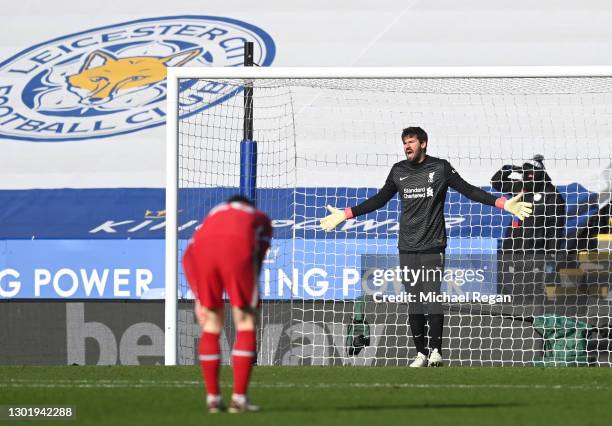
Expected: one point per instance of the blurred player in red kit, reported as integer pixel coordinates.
(226, 253)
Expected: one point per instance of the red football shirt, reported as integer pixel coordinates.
(240, 223)
(221, 254)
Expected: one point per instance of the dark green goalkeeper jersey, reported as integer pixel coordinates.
(422, 189)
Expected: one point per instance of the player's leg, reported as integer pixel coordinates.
(240, 278)
(209, 314)
(244, 355)
(211, 323)
(436, 328)
(416, 314)
(434, 265)
(417, 327)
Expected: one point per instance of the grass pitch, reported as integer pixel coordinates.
(345, 396)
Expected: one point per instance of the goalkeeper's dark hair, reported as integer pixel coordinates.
(417, 132)
(240, 199)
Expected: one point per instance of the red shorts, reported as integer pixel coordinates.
(219, 265)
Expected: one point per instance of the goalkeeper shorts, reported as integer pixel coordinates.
(424, 280)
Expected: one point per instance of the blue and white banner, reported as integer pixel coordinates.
(139, 213)
(108, 243)
(131, 269)
(81, 269)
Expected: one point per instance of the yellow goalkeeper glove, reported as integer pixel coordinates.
(334, 219)
(520, 209)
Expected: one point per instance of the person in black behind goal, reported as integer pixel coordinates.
(529, 247)
(422, 182)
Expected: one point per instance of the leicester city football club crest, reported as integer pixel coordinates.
(112, 80)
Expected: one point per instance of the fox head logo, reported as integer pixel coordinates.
(111, 80)
(103, 76)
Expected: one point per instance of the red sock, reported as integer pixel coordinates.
(243, 356)
(210, 360)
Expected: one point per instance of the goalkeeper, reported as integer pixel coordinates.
(422, 182)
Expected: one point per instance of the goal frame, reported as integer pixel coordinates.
(176, 73)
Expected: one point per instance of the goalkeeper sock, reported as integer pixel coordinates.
(436, 325)
(417, 326)
(210, 361)
(243, 356)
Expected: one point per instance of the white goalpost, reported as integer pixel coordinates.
(329, 136)
(171, 260)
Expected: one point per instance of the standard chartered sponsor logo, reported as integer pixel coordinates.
(422, 192)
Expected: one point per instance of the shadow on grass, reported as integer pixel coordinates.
(380, 407)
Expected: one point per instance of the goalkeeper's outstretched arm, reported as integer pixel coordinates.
(515, 206)
(375, 202)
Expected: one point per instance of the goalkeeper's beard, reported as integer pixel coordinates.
(417, 157)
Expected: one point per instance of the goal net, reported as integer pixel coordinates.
(530, 293)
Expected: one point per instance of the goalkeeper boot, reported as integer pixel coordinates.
(241, 404)
(435, 359)
(214, 404)
(419, 361)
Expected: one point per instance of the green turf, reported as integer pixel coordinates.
(322, 395)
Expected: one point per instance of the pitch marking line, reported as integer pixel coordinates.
(102, 383)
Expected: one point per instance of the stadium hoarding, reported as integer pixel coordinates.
(107, 333)
(61, 333)
(108, 244)
(80, 269)
(138, 213)
(131, 333)
(130, 269)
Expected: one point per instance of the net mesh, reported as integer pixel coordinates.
(333, 141)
